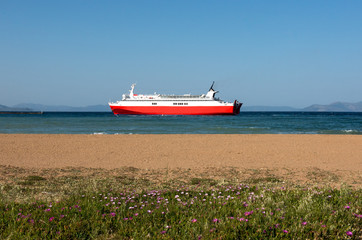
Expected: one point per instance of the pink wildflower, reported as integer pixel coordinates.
(347, 207)
(51, 219)
(194, 220)
(285, 231)
(304, 223)
(349, 233)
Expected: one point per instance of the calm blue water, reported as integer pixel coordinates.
(245, 123)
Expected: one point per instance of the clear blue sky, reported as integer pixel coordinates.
(277, 53)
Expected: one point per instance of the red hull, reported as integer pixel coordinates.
(184, 110)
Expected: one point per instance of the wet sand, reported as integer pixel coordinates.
(338, 154)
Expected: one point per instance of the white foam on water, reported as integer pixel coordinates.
(350, 131)
(99, 133)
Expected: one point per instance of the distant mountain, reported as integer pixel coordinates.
(335, 107)
(269, 109)
(62, 108)
(4, 108)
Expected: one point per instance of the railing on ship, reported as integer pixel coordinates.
(181, 96)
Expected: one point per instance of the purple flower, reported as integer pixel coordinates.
(349, 233)
(304, 223)
(194, 220)
(51, 219)
(285, 231)
(347, 207)
(47, 210)
(248, 213)
(113, 214)
(215, 220)
(163, 232)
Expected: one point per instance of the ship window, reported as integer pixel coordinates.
(186, 104)
(174, 103)
(154, 103)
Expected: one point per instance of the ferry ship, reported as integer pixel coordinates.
(187, 104)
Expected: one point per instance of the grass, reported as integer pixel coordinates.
(203, 181)
(125, 205)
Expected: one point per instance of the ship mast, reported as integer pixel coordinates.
(131, 93)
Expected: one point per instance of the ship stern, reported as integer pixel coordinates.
(237, 106)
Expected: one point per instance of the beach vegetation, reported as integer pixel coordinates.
(131, 207)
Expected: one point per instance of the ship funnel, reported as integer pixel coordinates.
(211, 93)
(212, 85)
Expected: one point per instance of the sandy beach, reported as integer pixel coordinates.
(293, 157)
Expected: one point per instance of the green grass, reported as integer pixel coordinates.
(124, 207)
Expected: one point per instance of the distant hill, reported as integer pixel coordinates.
(268, 109)
(335, 107)
(4, 108)
(62, 108)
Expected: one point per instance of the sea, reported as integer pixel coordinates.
(244, 123)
